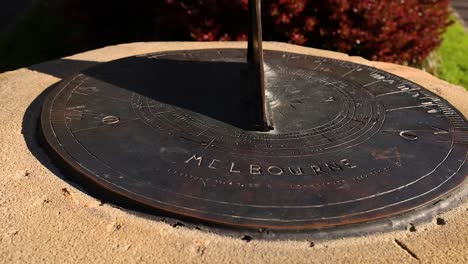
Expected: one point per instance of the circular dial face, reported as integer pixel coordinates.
(350, 143)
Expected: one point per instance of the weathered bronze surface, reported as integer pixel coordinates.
(350, 143)
(329, 142)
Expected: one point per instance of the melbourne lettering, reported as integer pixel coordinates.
(322, 168)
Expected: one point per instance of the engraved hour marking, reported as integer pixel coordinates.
(371, 83)
(88, 89)
(211, 143)
(206, 129)
(75, 112)
(396, 92)
(439, 131)
(165, 112)
(344, 75)
(406, 107)
(427, 103)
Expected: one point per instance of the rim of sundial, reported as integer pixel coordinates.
(51, 134)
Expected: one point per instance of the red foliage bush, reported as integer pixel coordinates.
(401, 31)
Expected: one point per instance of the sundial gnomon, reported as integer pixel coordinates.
(326, 142)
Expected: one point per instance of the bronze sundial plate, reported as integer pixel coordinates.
(350, 143)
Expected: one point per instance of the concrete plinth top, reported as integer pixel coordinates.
(46, 219)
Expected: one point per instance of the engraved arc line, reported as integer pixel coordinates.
(201, 51)
(348, 120)
(350, 201)
(321, 127)
(264, 154)
(82, 146)
(310, 206)
(52, 110)
(169, 123)
(196, 121)
(69, 131)
(440, 185)
(305, 57)
(319, 153)
(278, 219)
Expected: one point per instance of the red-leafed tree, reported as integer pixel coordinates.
(401, 31)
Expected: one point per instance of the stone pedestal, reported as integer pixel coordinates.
(45, 219)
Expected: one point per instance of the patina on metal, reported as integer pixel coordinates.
(349, 143)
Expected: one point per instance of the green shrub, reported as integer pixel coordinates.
(403, 31)
(453, 56)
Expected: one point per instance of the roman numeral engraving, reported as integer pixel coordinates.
(75, 112)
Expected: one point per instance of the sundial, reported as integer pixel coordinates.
(257, 139)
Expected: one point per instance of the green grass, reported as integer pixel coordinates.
(452, 56)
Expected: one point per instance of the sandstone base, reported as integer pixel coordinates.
(43, 218)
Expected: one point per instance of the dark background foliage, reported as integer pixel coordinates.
(402, 31)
